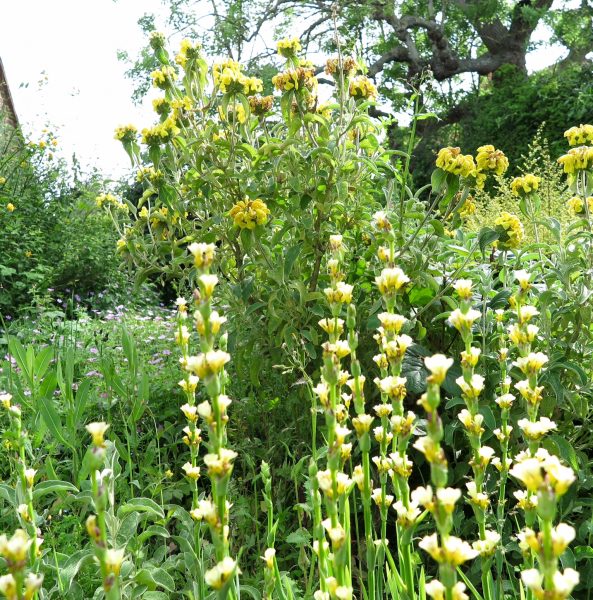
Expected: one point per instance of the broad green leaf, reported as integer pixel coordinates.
(142, 505)
(52, 487)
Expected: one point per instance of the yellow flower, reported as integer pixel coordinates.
(161, 106)
(469, 206)
(163, 77)
(511, 230)
(577, 136)
(490, 159)
(126, 133)
(109, 199)
(289, 47)
(345, 66)
(219, 68)
(295, 79)
(523, 186)
(261, 105)
(235, 113)
(231, 81)
(362, 88)
(156, 40)
(451, 160)
(577, 205)
(160, 134)
(188, 51)
(10, 207)
(248, 213)
(577, 159)
(2, 180)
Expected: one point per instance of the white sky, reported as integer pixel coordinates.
(70, 46)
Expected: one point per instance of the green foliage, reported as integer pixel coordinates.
(53, 235)
(511, 110)
(553, 193)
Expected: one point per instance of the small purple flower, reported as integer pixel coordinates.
(94, 350)
(166, 352)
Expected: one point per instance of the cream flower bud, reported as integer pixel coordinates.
(406, 515)
(478, 498)
(391, 280)
(268, 557)
(391, 321)
(423, 496)
(97, 432)
(190, 384)
(207, 284)
(381, 222)
(531, 364)
(113, 560)
(463, 321)
(463, 287)
(331, 326)
(526, 313)
(381, 501)
(30, 476)
(529, 472)
(8, 586)
(394, 387)
(336, 242)
(203, 254)
(362, 424)
(487, 547)
(190, 412)
(191, 471)
(565, 582)
(473, 388)
(523, 278)
(535, 430)
(562, 536)
(221, 464)
(438, 365)
(382, 436)
(447, 497)
(221, 573)
(505, 401)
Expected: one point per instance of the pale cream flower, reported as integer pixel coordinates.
(438, 365)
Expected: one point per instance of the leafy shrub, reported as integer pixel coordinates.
(53, 234)
(445, 364)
